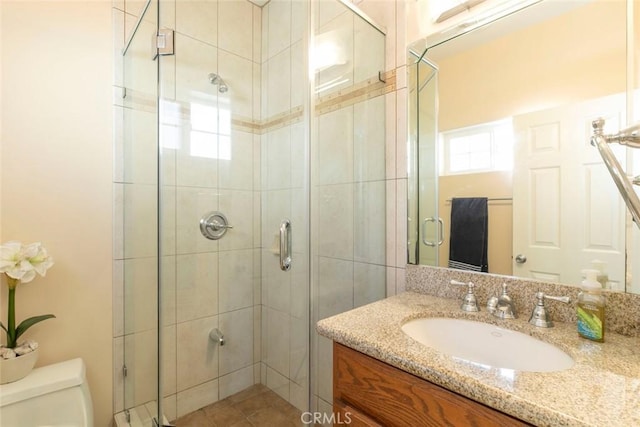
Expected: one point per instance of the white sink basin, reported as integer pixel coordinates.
(487, 344)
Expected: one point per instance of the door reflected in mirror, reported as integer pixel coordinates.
(505, 113)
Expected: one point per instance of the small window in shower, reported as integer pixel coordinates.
(483, 148)
(170, 123)
(210, 135)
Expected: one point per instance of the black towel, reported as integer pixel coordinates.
(469, 234)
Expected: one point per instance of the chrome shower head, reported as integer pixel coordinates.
(215, 79)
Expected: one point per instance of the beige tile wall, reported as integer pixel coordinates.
(395, 17)
(360, 255)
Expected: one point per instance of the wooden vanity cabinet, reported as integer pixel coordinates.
(368, 392)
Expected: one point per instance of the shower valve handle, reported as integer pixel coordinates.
(214, 225)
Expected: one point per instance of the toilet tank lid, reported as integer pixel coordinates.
(46, 379)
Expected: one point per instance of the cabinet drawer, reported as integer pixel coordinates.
(346, 414)
(391, 397)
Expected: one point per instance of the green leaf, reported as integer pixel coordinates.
(3, 328)
(27, 323)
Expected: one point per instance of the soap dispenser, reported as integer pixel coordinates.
(590, 308)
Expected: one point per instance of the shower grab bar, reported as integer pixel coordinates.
(628, 137)
(285, 245)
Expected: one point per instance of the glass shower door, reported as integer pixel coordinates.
(136, 253)
(425, 225)
(233, 143)
(231, 127)
(284, 196)
(348, 187)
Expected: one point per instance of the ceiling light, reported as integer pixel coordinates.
(448, 9)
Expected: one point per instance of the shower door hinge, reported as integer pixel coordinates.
(162, 43)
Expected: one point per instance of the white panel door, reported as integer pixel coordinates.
(567, 211)
(537, 195)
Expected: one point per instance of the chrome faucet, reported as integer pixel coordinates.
(502, 306)
(469, 302)
(540, 317)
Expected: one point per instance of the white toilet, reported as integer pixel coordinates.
(52, 396)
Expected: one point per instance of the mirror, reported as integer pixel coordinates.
(504, 112)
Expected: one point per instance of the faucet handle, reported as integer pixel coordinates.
(539, 316)
(469, 302)
(459, 283)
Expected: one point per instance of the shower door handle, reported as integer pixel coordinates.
(440, 231)
(285, 245)
(424, 232)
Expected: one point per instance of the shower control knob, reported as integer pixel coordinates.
(521, 259)
(214, 225)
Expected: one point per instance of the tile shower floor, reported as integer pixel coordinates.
(253, 407)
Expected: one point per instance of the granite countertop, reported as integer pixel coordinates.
(602, 388)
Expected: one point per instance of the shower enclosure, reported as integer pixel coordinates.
(250, 195)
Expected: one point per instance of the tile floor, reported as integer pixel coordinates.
(256, 406)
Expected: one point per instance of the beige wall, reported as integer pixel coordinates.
(419, 23)
(491, 185)
(56, 174)
(537, 67)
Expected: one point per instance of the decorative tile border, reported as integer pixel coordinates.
(133, 99)
(367, 89)
(281, 120)
(370, 88)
